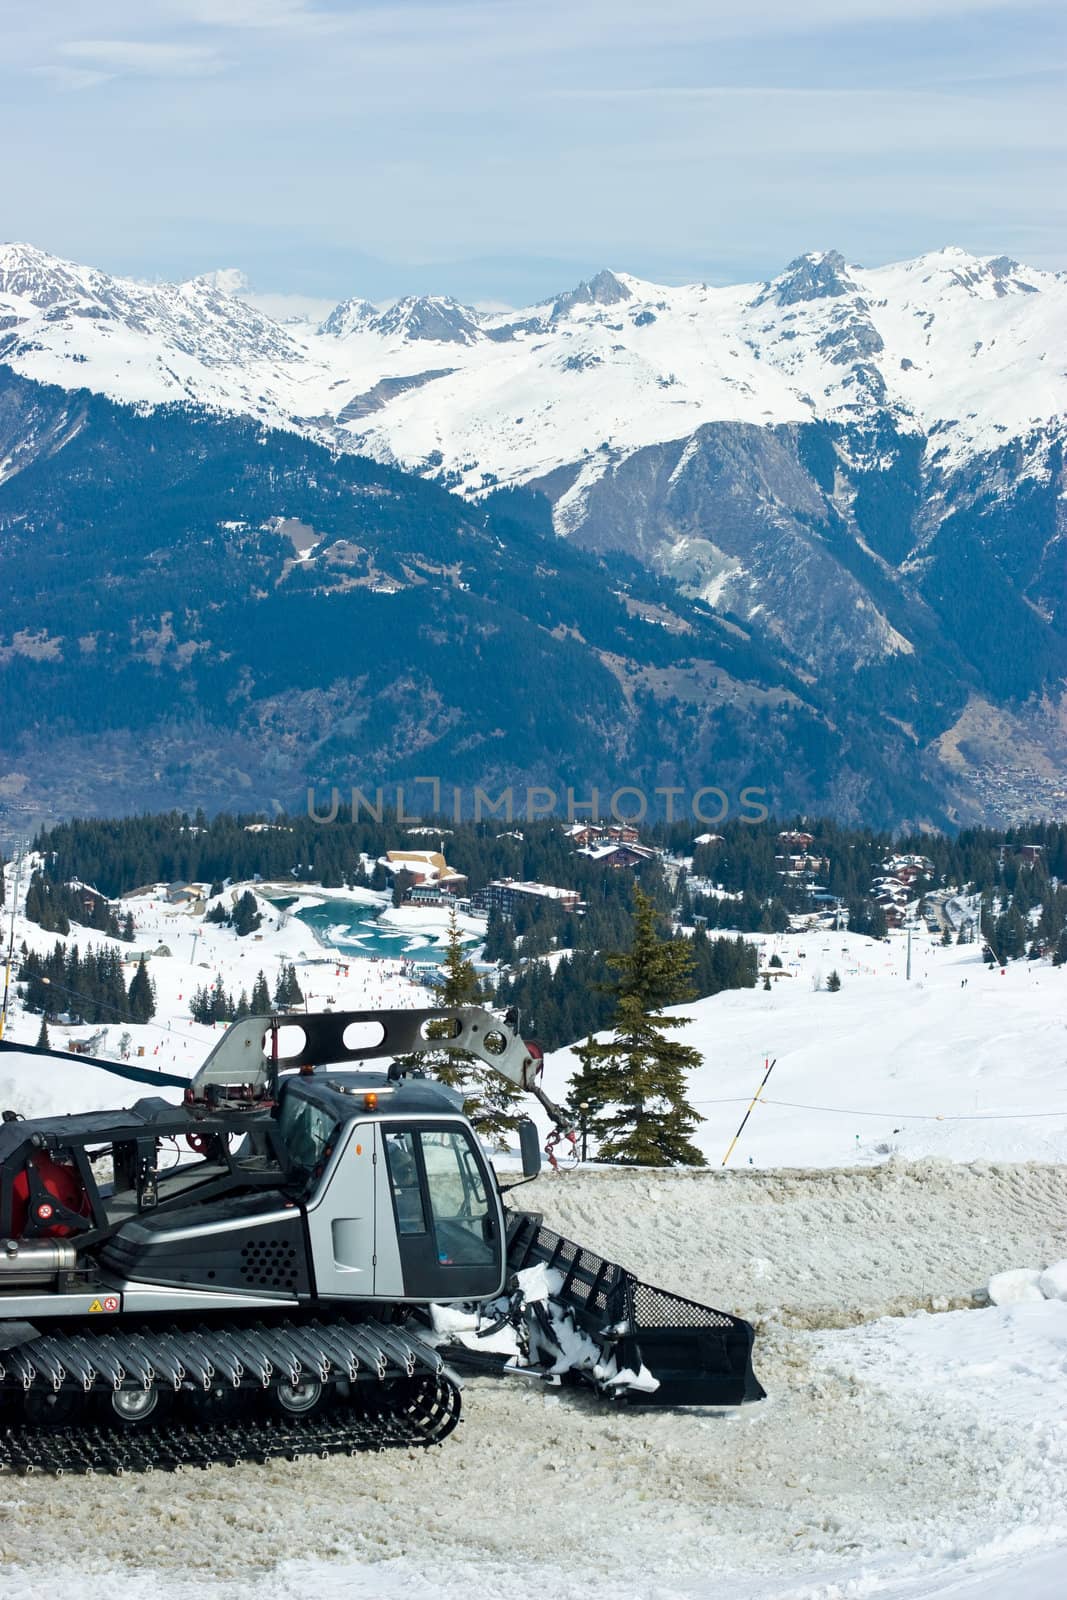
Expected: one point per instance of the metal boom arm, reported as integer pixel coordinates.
(250, 1052)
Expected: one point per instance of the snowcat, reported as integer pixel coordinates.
(271, 1268)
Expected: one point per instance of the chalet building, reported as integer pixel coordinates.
(800, 862)
(506, 896)
(609, 854)
(587, 834)
(909, 868)
(796, 841)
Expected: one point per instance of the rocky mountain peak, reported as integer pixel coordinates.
(35, 275)
(603, 290)
(815, 276)
(349, 316)
(436, 317)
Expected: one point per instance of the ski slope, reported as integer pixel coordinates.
(962, 1061)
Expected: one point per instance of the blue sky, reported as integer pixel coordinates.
(498, 150)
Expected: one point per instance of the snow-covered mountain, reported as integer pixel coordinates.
(862, 467)
(966, 349)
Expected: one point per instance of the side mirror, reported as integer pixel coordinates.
(530, 1146)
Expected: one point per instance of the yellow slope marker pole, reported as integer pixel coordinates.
(749, 1112)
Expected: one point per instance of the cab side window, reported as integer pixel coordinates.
(404, 1177)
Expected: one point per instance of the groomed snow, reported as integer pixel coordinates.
(914, 1442)
(892, 1458)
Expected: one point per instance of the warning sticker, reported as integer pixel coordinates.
(110, 1302)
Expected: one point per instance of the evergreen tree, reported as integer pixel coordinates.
(491, 1103)
(142, 998)
(127, 928)
(833, 982)
(246, 916)
(200, 1006)
(43, 1041)
(636, 1079)
(260, 1001)
(287, 990)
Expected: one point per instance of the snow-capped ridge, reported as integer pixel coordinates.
(949, 344)
(983, 277)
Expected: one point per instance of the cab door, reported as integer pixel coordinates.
(445, 1209)
(341, 1218)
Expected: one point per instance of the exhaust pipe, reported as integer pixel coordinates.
(35, 1261)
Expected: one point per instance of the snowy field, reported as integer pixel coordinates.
(963, 1061)
(914, 1442)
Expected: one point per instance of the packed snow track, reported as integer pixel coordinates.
(890, 1454)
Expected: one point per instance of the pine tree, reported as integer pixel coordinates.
(200, 1004)
(43, 1041)
(142, 999)
(127, 927)
(260, 1001)
(634, 1083)
(491, 1103)
(833, 982)
(287, 990)
(246, 915)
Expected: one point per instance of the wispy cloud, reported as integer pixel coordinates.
(723, 136)
(112, 57)
(72, 78)
(265, 15)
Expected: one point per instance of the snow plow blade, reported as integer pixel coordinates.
(697, 1356)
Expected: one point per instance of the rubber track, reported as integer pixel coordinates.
(170, 1448)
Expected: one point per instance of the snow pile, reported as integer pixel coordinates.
(1053, 1281)
(1015, 1287)
(1021, 1284)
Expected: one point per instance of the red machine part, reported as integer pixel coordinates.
(61, 1181)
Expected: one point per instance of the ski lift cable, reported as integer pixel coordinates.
(920, 1116)
(105, 1005)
